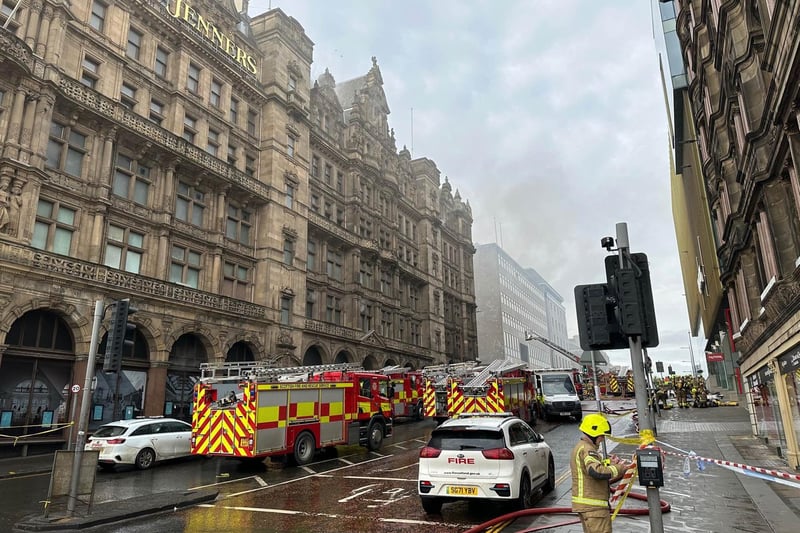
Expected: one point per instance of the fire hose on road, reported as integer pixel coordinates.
(665, 508)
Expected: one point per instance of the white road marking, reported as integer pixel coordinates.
(398, 446)
(288, 481)
(342, 459)
(256, 478)
(309, 470)
(412, 465)
(328, 515)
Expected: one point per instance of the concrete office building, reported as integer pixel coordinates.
(174, 152)
(513, 302)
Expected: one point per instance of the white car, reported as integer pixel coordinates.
(489, 457)
(140, 442)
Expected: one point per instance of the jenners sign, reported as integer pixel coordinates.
(183, 11)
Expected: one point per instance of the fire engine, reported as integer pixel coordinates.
(252, 411)
(503, 386)
(438, 379)
(408, 388)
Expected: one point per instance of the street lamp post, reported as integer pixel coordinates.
(691, 355)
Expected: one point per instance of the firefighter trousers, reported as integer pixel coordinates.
(596, 521)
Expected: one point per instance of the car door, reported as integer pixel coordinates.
(520, 444)
(180, 434)
(540, 451)
(162, 441)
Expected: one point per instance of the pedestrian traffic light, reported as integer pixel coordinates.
(120, 335)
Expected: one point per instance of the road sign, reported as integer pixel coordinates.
(76, 388)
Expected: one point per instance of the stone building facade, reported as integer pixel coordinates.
(742, 71)
(162, 151)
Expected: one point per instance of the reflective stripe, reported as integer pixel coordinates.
(590, 501)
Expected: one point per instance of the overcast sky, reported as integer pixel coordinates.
(547, 115)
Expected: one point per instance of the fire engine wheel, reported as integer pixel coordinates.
(304, 448)
(525, 499)
(145, 459)
(419, 412)
(375, 436)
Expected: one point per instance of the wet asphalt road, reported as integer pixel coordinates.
(355, 490)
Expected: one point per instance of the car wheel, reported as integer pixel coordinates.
(304, 448)
(432, 505)
(525, 499)
(550, 484)
(375, 436)
(145, 459)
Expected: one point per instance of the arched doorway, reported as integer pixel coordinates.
(312, 357)
(185, 358)
(121, 395)
(36, 374)
(390, 362)
(342, 357)
(239, 353)
(370, 363)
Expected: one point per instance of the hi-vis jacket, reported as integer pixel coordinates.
(590, 478)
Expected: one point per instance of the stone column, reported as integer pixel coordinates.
(44, 32)
(55, 38)
(28, 125)
(155, 394)
(33, 24)
(15, 124)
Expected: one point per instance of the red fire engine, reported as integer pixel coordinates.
(252, 411)
(503, 386)
(408, 388)
(438, 380)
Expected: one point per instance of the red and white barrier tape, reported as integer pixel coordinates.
(773, 473)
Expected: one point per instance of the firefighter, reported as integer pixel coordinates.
(591, 475)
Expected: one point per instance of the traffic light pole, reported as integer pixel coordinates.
(640, 383)
(86, 400)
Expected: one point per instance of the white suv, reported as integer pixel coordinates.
(140, 441)
(490, 457)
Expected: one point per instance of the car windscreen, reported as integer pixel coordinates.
(109, 431)
(557, 385)
(466, 439)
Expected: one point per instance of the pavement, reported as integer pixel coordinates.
(715, 499)
(101, 513)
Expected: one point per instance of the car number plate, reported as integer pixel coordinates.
(462, 491)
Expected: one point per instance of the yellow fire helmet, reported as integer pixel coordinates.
(595, 424)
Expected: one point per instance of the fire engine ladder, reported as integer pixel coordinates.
(210, 372)
(439, 374)
(394, 369)
(300, 373)
(531, 337)
(477, 386)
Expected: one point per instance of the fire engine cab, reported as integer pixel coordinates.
(408, 386)
(252, 411)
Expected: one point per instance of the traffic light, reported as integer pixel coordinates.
(597, 324)
(120, 335)
(630, 288)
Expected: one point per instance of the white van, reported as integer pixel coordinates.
(557, 394)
